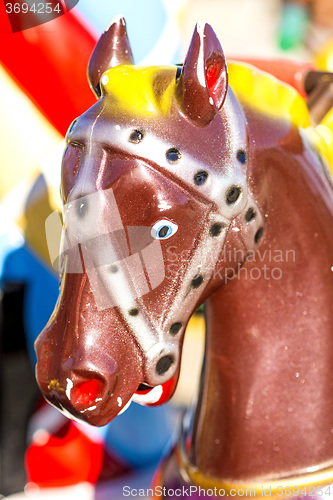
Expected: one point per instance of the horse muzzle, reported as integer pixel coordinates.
(84, 385)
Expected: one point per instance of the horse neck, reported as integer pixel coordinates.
(265, 406)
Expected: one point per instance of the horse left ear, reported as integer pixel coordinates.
(203, 82)
(112, 49)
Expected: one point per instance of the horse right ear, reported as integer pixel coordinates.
(113, 49)
(203, 83)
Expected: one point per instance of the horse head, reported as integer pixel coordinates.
(155, 189)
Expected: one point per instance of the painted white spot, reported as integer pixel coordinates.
(236, 229)
(119, 401)
(211, 100)
(332, 268)
(117, 127)
(127, 405)
(151, 397)
(105, 79)
(69, 388)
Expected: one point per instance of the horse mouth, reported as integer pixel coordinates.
(146, 394)
(144, 388)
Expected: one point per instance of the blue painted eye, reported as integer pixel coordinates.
(163, 230)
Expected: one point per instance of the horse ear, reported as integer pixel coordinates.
(112, 49)
(203, 83)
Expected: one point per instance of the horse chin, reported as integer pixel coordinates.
(94, 415)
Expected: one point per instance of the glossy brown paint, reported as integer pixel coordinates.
(266, 408)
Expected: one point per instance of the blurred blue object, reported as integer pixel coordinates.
(19, 264)
(137, 18)
(139, 435)
(152, 27)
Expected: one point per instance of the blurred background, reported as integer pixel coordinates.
(43, 87)
(277, 28)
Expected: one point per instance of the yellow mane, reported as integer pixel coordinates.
(136, 92)
(134, 89)
(272, 97)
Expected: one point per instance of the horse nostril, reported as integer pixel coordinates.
(164, 364)
(86, 393)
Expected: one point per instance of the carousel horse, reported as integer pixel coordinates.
(29, 192)
(191, 184)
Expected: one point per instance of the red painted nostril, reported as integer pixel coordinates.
(86, 393)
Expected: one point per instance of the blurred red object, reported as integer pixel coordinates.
(49, 63)
(64, 455)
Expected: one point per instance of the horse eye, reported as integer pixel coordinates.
(163, 230)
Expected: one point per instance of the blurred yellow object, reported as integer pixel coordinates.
(29, 176)
(324, 59)
(267, 94)
(193, 351)
(325, 129)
